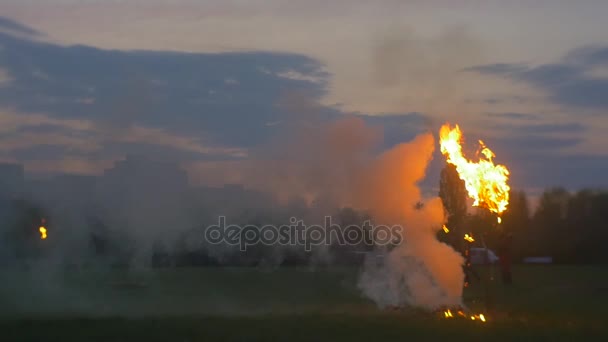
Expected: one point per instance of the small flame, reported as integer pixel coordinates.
(459, 312)
(42, 231)
(469, 238)
(486, 183)
(480, 317)
(445, 229)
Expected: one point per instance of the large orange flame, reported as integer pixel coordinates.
(485, 182)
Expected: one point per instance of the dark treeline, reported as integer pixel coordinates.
(142, 212)
(100, 243)
(570, 227)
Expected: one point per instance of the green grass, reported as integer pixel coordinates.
(544, 303)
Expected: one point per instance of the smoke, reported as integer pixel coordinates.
(421, 271)
(313, 168)
(419, 71)
(318, 160)
(337, 164)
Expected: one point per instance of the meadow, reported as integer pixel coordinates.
(297, 304)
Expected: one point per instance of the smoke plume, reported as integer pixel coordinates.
(339, 164)
(421, 271)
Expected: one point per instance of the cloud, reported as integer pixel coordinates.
(171, 105)
(67, 164)
(498, 68)
(83, 102)
(542, 128)
(568, 82)
(5, 78)
(558, 170)
(7, 24)
(210, 110)
(588, 55)
(514, 116)
(538, 147)
(185, 93)
(28, 138)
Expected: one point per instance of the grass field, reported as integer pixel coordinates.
(544, 303)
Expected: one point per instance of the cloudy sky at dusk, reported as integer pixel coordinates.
(83, 82)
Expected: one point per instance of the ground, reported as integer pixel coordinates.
(544, 303)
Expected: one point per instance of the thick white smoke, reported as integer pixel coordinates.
(338, 163)
(421, 271)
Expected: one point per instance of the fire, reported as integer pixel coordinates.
(448, 313)
(486, 183)
(42, 231)
(469, 238)
(480, 317)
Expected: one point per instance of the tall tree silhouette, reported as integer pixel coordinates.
(453, 194)
(516, 222)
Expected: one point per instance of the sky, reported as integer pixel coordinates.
(84, 82)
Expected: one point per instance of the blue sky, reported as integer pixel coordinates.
(207, 82)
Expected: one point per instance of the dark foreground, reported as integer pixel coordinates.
(329, 327)
(549, 303)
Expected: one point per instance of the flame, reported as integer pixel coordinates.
(480, 317)
(42, 231)
(469, 238)
(486, 183)
(445, 229)
(459, 312)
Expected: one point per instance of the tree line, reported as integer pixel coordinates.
(570, 227)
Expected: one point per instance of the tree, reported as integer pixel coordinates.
(586, 222)
(516, 222)
(551, 235)
(453, 194)
(570, 227)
